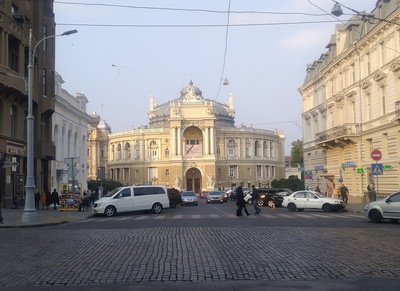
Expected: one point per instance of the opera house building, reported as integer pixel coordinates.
(192, 143)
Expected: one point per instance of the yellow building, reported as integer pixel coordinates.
(192, 143)
(351, 105)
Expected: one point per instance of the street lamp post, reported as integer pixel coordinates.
(30, 214)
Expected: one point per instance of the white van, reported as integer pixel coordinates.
(133, 198)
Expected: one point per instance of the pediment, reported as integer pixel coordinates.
(395, 67)
(379, 76)
(365, 84)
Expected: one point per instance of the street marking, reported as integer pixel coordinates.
(286, 215)
(304, 215)
(228, 215)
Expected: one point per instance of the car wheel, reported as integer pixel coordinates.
(173, 204)
(271, 203)
(110, 211)
(300, 209)
(156, 208)
(260, 202)
(327, 208)
(292, 207)
(375, 216)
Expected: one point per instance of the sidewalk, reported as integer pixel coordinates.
(12, 218)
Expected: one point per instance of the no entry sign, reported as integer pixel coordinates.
(376, 155)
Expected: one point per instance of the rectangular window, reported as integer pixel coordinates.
(166, 172)
(14, 62)
(44, 35)
(258, 169)
(44, 78)
(383, 96)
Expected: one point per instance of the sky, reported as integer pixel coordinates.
(127, 50)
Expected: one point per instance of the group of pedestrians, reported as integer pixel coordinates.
(241, 203)
(43, 199)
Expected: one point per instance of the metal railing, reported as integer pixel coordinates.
(337, 132)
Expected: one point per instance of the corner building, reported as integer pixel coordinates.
(16, 19)
(192, 143)
(351, 106)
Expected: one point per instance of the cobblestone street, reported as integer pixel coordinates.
(51, 256)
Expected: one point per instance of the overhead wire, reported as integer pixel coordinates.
(225, 51)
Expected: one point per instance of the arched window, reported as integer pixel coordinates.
(119, 148)
(231, 147)
(127, 151)
(167, 152)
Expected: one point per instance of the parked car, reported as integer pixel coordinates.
(189, 198)
(215, 196)
(303, 199)
(272, 197)
(388, 208)
(133, 198)
(203, 194)
(175, 197)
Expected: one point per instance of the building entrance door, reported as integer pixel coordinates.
(193, 180)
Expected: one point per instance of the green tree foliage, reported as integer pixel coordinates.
(108, 185)
(297, 153)
(293, 183)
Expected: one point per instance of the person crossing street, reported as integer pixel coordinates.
(254, 196)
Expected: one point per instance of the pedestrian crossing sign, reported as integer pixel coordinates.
(377, 169)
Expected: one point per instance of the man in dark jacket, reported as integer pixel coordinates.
(55, 198)
(254, 197)
(241, 203)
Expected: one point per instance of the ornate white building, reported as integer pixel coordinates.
(351, 105)
(192, 143)
(70, 133)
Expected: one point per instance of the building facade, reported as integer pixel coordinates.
(97, 144)
(70, 134)
(192, 143)
(351, 106)
(16, 20)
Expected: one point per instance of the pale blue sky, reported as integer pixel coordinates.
(117, 59)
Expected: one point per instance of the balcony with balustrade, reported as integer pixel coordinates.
(338, 136)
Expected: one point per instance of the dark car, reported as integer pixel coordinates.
(272, 197)
(174, 196)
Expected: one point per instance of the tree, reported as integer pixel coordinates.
(292, 183)
(108, 185)
(297, 153)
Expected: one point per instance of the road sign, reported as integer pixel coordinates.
(377, 169)
(10, 164)
(376, 155)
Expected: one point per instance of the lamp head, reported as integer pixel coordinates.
(337, 10)
(69, 32)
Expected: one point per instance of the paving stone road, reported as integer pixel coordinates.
(52, 256)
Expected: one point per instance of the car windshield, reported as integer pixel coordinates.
(188, 194)
(110, 194)
(214, 193)
(319, 195)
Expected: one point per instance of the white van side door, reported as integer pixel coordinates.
(124, 202)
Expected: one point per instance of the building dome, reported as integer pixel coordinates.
(192, 96)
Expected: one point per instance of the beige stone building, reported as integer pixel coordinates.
(351, 105)
(192, 143)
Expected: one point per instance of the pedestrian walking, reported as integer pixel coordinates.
(55, 199)
(89, 196)
(371, 192)
(344, 193)
(48, 199)
(43, 199)
(37, 199)
(254, 197)
(317, 189)
(240, 203)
